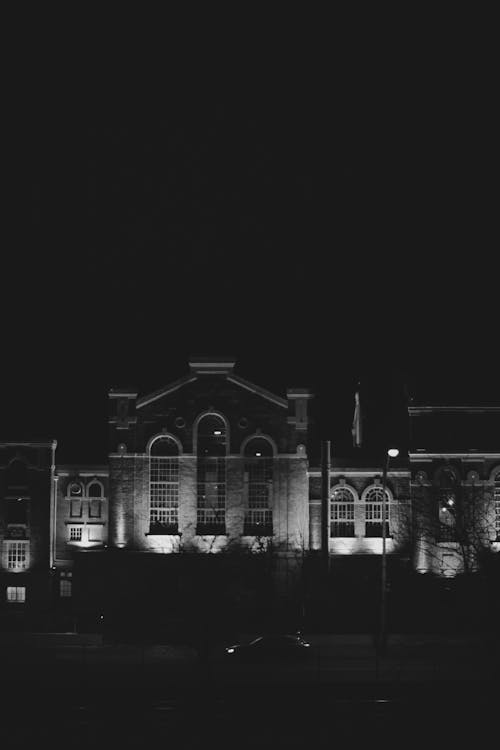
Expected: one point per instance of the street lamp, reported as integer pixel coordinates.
(382, 636)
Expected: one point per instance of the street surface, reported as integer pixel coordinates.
(133, 696)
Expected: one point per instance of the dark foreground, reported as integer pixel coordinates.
(420, 715)
(424, 692)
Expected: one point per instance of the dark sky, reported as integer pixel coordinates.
(325, 219)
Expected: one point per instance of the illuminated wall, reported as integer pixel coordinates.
(81, 511)
(243, 418)
(358, 482)
(26, 471)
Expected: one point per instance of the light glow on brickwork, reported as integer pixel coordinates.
(359, 545)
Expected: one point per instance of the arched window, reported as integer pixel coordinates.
(95, 494)
(373, 511)
(258, 469)
(211, 450)
(75, 494)
(164, 486)
(342, 512)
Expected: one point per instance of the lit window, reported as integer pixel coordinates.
(211, 475)
(17, 555)
(65, 584)
(373, 512)
(75, 508)
(16, 594)
(95, 495)
(447, 506)
(74, 493)
(259, 487)
(164, 487)
(342, 512)
(95, 533)
(75, 533)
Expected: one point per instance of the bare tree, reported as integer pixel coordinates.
(450, 518)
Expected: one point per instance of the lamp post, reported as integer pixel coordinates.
(382, 636)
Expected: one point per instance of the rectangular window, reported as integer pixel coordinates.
(373, 518)
(75, 533)
(95, 507)
(210, 522)
(164, 495)
(65, 584)
(341, 519)
(95, 533)
(211, 496)
(447, 529)
(259, 482)
(258, 522)
(17, 555)
(212, 483)
(75, 508)
(16, 594)
(65, 588)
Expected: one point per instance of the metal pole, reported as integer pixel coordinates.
(325, 500)
(383, 577)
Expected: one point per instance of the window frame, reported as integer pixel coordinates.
(15, 600)
(373, 510)
(163, 488)
(345, 505)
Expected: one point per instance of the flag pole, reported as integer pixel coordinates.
(356, 429)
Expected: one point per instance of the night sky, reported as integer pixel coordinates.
(325, 218)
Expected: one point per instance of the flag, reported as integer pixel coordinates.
(356, 422)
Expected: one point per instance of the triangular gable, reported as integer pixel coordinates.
(149, 398)
(258, 390)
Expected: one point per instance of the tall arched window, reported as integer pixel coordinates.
(75, 494)
(496, 496)
(259, 487)
(164, 486)
(342, 512)
(95, 494)
(373, 512)
(211, 475)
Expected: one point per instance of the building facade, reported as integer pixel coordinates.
(209, 487)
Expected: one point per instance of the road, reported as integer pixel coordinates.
(134, 696)
(267, 718)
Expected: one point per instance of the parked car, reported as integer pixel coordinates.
(270, 648)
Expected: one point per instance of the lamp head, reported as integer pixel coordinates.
(393, 452)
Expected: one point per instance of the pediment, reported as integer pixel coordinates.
(202, 373)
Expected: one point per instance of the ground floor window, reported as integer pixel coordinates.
(75, 533)
(65, 584)
(16, 594)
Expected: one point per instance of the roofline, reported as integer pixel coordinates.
(258, 390)
(83, 469)
(229, 376)
(467, 454)
(29, 444)
(148, 399)
(415, 410)
(367, 471)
